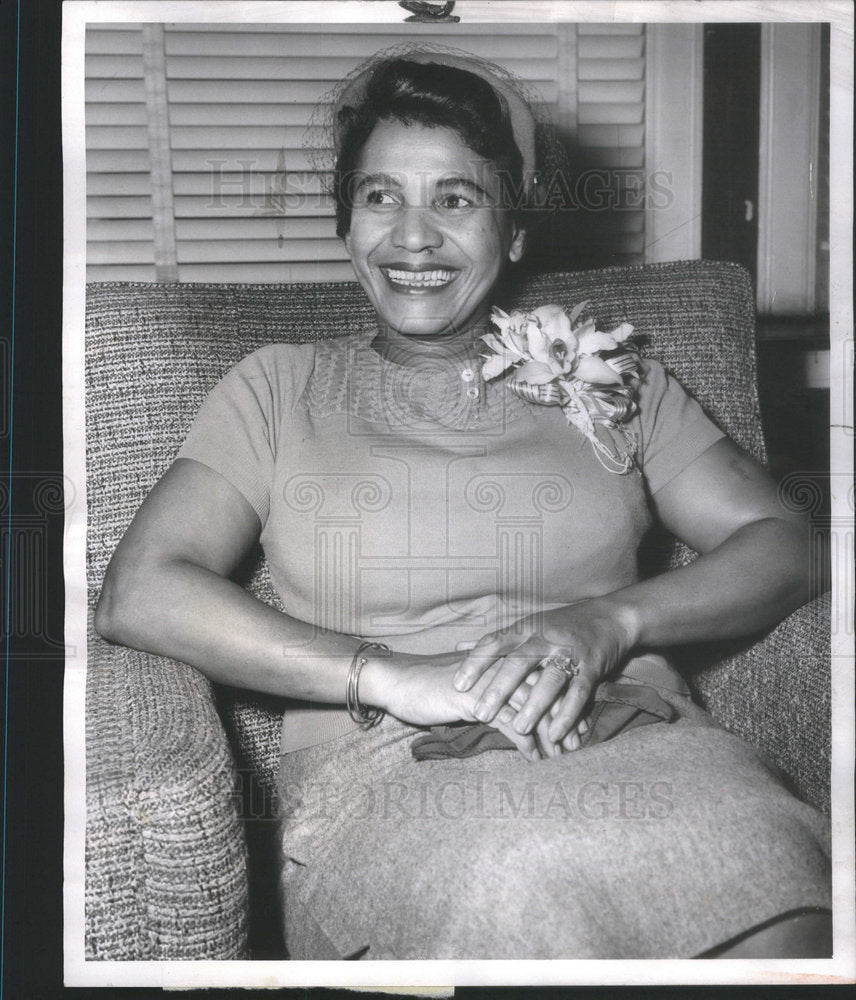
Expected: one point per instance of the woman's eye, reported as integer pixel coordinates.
(380, 198)
(454, 201)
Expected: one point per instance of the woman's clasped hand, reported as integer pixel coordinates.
(420, 689)
(576, 648)
(533, 680)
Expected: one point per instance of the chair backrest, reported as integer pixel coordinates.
(153, 351)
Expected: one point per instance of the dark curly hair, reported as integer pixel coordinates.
(428, 94)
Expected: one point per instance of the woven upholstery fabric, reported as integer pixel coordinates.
(776, 693)
(152, 354)
(165, 854)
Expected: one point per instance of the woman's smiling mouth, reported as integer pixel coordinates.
(418, 280)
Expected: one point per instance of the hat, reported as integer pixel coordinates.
(510, 91)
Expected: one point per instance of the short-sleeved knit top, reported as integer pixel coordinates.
(424, 507)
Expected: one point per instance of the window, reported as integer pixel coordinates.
(196, 169)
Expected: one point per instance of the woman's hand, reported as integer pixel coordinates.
(420, 690)
(595, 634)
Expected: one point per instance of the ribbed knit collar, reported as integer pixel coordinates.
(351, 377)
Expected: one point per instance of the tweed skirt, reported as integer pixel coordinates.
(661, 843)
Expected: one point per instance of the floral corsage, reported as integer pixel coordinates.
(562, 359)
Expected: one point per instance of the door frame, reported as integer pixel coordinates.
(788, 164)
(674, 81)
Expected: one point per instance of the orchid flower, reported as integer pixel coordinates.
(557, 360)
(555, 344)
(511, 342)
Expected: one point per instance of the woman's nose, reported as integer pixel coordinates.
(414, 230)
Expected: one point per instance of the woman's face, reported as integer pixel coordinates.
(429, 236)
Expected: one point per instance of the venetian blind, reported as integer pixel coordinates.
(611, 130)
(120, 227)
(196, 169)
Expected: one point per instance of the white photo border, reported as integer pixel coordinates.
(444, 975)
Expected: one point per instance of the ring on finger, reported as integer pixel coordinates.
(563, 662)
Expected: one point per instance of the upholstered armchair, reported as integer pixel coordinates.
(181, 774)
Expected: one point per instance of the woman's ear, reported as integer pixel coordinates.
(518, 245)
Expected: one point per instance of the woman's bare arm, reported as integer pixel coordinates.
(755, 565)
(167, 591)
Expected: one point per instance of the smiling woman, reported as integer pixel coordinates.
(475, 669)
(429, 244)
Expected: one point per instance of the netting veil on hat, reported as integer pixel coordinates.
(533, 131)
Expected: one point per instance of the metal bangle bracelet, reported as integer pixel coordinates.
(364, 717)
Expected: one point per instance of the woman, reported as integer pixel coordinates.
(388, 479)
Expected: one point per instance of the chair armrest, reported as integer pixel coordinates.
(775, 692)
(166, 866)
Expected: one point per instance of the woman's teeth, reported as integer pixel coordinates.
(419, 279)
